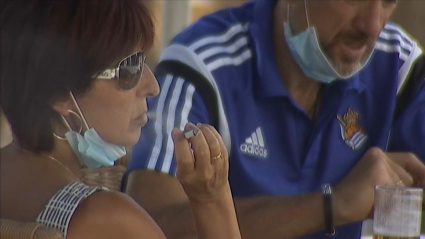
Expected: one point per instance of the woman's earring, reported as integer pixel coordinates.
(68, 125)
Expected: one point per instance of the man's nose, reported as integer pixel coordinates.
(370, 18)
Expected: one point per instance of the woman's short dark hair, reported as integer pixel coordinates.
(51, 47)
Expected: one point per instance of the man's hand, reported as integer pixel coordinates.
(354, 195)
(285, 216)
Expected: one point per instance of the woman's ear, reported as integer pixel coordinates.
(62, 106)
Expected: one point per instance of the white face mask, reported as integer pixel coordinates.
(91, 149)
(305, 49)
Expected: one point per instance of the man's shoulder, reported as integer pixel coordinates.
(396, 54)
(394, 41)
(230, 20)
(218, 40)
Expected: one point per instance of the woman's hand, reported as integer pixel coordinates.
(202, 163)
(202, 168)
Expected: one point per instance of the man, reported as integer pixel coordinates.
(306, 94)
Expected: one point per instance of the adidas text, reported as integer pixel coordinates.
(255, 150)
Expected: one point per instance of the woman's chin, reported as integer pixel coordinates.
(127, 140)
(133, 138)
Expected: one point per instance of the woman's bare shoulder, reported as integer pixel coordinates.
(112, 214)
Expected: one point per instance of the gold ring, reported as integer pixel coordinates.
(399, 182)
(216, 157)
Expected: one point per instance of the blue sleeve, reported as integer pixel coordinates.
(408, 132)
(177, 104)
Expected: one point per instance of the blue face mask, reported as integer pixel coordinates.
(92, 150)
(308, 54)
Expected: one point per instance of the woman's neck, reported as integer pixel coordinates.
(62, 154)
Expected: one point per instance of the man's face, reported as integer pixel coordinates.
(347, 29)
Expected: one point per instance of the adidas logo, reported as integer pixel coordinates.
(254, 145)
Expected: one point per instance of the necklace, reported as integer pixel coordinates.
(50, 157)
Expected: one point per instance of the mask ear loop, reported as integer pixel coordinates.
(287, 16)
(84, 122)
(287, 12)
(305, 10)
(69, 126)
(306, 13)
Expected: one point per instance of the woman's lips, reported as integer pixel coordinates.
(141, 120)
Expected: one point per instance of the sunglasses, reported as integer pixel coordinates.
(128, 72)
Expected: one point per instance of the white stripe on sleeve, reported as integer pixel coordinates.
(170, 125)
(243, 41)
(229, 60)
(158, 122)
(220, 38)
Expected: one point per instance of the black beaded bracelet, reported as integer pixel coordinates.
(327, 206)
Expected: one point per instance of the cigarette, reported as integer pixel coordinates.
(191, 133)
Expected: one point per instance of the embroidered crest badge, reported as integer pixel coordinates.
(351, 132)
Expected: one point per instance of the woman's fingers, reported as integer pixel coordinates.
(202, 164)
(197, 147)
(224, 155)
(183, 153)
(213, 143)
(201, 151)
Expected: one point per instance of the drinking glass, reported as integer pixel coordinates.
(397, 212)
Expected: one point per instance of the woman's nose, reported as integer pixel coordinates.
(148, 86)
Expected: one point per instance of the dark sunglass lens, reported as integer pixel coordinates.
(130, 72)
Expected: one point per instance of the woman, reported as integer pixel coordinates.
(74, 87)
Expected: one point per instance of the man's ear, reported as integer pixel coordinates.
(62, 106)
